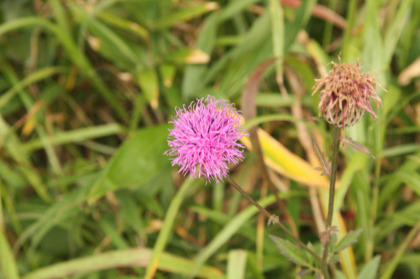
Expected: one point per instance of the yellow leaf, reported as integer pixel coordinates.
(280, 159)
(28, 127)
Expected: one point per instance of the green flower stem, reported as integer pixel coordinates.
(272, 218)
(336, 146)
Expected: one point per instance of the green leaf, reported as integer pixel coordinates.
(411, 179)
(119, 259)
(34, 77)
(291, 251)
(167, 228)
(236, 264)
(189, 56)
(148, 82)
(350, 238)
(277, 35)
(137, 161)
(7, 261)
(370, 270)
(185, 14)
(228, 231)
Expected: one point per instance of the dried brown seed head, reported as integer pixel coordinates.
(345, 94)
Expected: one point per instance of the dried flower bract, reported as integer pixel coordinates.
(346, 94)
(204, 138)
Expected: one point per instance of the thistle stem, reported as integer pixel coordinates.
(336, 146)
(272, 217)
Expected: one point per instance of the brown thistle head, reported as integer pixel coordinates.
(345, 94)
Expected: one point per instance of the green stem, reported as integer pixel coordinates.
(336, 147)
(273, 218)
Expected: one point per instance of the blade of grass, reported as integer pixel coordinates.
(7, 260)
(393, 34)
(348, 44)
(14, 148)
(75, 136)
(287, 163)
(185, 14)
(236, 264)
(166, 228)
(389, 268)
(34, 77)
(29, 104)
(277, 37)
(124, 24)
(227, 232)
(120, 259)
(72, 50)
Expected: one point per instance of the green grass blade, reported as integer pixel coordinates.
(390, 267)
(167, 227)
(75, 136)
(7, 260)
(14, 148)
(119, 259)
(73, 51)
(236, 264)
(34, 77)
(227, 232)
(393, 34)
(277, 36)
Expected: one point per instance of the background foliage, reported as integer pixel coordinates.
(87, 88)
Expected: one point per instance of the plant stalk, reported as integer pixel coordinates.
(272, 218)
(335, 148)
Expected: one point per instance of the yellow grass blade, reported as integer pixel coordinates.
(280, 159)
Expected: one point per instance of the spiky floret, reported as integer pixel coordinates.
(346, 94)
(204, 138)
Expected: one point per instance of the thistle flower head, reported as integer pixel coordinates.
(204, 138)
(346, 94)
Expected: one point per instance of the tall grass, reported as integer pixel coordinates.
(87, 89)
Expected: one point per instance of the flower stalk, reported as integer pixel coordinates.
(335, 148)
(272, 219)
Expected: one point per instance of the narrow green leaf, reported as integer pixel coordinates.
(119, 259)
(291, 251)
(236, 264)
(32, 78)
(395, 30)
(226, 233)
(12, 144)
(7, 261)
(390, 267)
(75, 136)
(185, 14)
(148, 82)
(189, 56)
(124, 24)
(411, 179)
(167, 228)
(277, 36)
(370, 270)
(74, 53)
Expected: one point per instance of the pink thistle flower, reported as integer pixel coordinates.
(204, 138)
